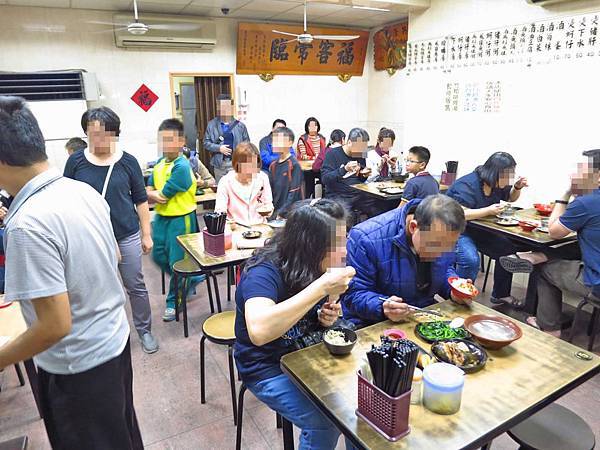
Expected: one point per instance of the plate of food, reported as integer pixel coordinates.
(543, 209)
(465, 355)
(506, 222)
(277, 223)
(251, 234)
(440, 331)
(392, 190)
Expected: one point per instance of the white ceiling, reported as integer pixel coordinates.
(326, 12)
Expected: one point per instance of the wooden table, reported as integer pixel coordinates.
(517, 233)
(193, 245)
(13, 325)
(517, 381)
(372, 189)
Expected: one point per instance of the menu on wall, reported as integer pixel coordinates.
(540, 42)
(259, 50)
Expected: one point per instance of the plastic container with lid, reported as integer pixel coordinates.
(442, 388)
(417, 385)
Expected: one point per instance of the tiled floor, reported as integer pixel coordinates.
(167, 392)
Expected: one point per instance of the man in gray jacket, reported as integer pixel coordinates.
(223, 134)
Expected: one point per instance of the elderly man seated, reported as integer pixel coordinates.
(403, 257)
(557, 275)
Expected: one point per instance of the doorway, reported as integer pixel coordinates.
(194, 102)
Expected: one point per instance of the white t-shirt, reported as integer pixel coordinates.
(58, 239)
(373, 160)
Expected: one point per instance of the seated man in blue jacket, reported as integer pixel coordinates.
(403, 257)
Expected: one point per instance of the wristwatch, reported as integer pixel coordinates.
(562, 202)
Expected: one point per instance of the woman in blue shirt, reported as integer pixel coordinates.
(279, 298)
(480, 193)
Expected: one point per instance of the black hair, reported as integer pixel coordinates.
(308, 121)
(172, 125)
(223, 97)
(422, 153)
(594, 155)
(300, 247)
(358, 133)
(279, 121)
(286, 132)
(106, 116)
(337, 136)
(386, 133)
(494, 166)
(75, 144)
(21, 140)
(443, 208)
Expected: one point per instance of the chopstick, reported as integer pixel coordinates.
(416, 308)
(243, 225)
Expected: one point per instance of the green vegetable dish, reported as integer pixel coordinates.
(440, 331)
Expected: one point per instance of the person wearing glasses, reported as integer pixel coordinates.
(422, 183)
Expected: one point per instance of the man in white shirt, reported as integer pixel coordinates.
(78, 333)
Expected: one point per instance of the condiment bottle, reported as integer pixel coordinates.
(417, 384)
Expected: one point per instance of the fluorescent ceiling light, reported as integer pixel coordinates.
(371, 8)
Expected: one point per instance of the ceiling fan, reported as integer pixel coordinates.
(307, 38)
(137, 27)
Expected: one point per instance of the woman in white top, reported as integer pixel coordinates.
(381, 160)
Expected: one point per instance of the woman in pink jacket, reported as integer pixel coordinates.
(245, 190)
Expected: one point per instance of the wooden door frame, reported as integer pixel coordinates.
(173, 75)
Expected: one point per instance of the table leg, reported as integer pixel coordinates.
(217, 294)
(288, 434)
(20, 374)
(33, 382)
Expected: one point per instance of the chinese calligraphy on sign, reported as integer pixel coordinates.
(390, 47)
(540, 42)
(144, 97)
(259, 50)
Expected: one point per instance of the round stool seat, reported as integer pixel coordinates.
(220, 328)
(187, 266)
(554, 428)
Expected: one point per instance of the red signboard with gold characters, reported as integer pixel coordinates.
(390, 46)
(260, 51)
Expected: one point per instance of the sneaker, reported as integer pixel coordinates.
(514, 264)
(149, 343)
(169, 315)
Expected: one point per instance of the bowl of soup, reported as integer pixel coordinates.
(493, 332)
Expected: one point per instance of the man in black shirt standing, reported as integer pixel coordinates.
(344, 167)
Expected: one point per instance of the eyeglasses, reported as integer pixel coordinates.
(412, 161)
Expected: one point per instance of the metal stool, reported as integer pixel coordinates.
(553, 428)
(219, 329)
(282, 422)
(593, 325)
(187, 268)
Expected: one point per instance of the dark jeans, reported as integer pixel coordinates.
(92, 410)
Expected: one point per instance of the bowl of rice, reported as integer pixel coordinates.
(339, 341)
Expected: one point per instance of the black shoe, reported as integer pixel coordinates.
(514, 302)
(514, 264)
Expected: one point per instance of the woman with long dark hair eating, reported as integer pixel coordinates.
(280, 296)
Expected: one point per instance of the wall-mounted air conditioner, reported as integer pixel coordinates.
(177, 32)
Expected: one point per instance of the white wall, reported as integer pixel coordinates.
(66, 40)
(532, 127)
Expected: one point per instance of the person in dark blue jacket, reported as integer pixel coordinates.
(266, 146)
(401, 257)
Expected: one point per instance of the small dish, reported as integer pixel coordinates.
(5, 305)
(507, 222)
(277, 223)
(340, 349)
(543, 209)
(465, 355)
(493, 332)
(527, 226)
(543, 229)
(394, 334)
(392, 190)
(251, 234)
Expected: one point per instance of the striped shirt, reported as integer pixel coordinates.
(315, 142)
